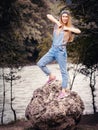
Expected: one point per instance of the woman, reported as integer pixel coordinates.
(62, 34)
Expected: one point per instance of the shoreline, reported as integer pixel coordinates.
(90, 119)
(87, 122)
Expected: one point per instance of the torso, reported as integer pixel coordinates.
(60, 30)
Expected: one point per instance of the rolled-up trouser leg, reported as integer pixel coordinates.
(62, 61)
(46, 59)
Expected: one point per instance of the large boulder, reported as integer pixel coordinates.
(47, 112)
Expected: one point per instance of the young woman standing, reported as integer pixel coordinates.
(62, 34)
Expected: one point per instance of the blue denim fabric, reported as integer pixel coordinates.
(56, 52)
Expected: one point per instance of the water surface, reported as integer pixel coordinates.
(32, 78)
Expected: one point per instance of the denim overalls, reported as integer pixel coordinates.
(56, 52)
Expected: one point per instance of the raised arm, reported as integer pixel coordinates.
(72, 29)
(50, 17)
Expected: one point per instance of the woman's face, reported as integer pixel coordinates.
(64, 18)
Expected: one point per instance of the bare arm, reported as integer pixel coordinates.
(50, 17)
(72, 29)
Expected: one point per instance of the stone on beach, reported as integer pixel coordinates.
(47, 112)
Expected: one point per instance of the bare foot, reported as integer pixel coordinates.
(64, 93)
(51, 78)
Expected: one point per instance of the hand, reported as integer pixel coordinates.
(72, 29)
(59, 24)
(65, 28)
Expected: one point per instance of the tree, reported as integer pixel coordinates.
(10, 78)
(86, 13)
(86, 44)
(3, 105)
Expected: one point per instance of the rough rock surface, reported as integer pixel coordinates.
(47, 112)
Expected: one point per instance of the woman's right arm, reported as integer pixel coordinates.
(50, 17)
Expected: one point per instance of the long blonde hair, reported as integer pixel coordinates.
(69, 23)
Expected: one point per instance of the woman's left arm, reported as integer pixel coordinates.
(72, 29)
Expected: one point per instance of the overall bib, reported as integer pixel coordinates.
(56, 52)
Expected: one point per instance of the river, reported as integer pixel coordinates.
(32, 78)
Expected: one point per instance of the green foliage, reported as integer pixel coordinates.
(89, 54)
(10, 52)
(24, 27)
(86, 47)
(20, 21)
(44, 46)
(31, 48)
(23, 33)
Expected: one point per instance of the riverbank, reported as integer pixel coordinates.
(88, 122)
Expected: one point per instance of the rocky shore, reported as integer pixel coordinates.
(67, 111)
(88, 122)
(47, 111)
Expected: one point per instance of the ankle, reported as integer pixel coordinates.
(64, 90)
(51, 76)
